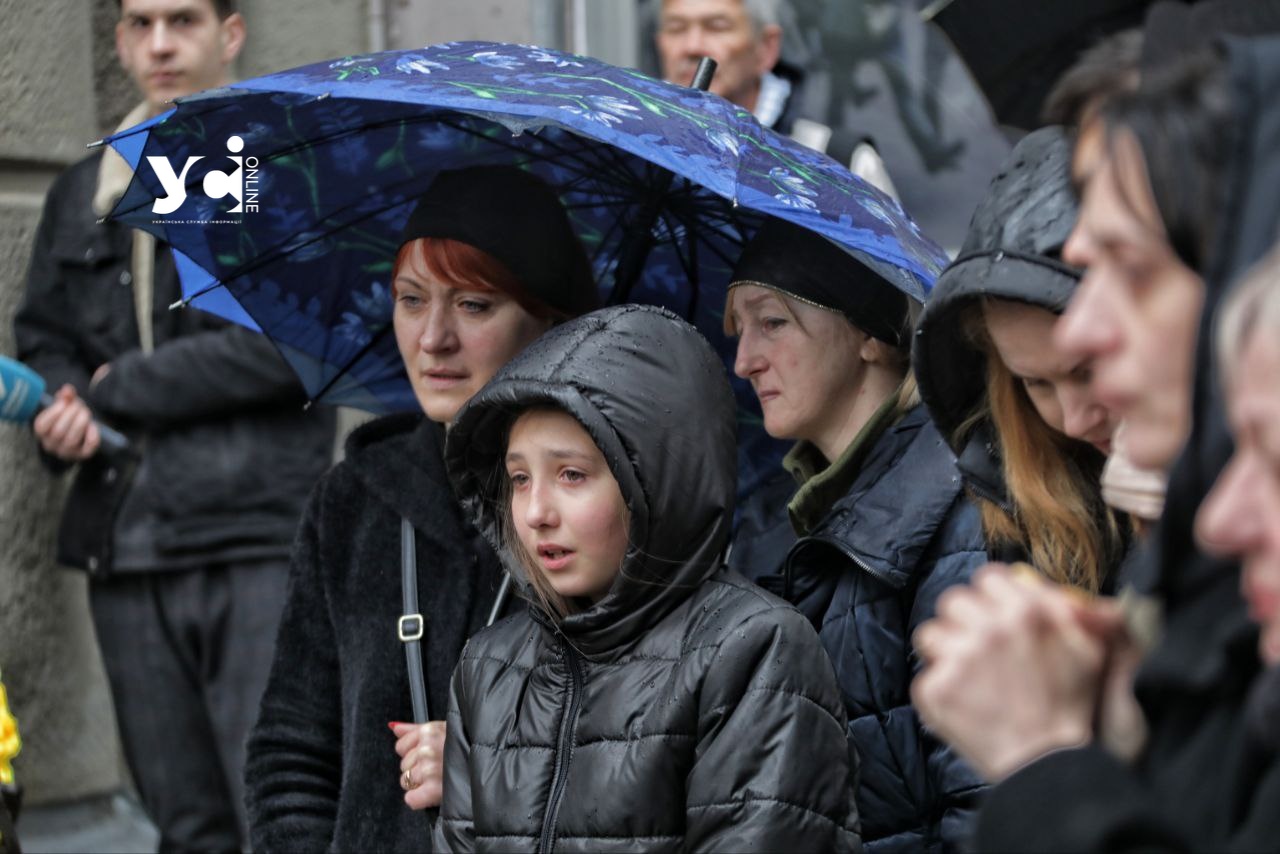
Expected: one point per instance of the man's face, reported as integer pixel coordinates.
(173, 48)
(721, 29)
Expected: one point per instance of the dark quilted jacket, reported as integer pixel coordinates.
(867, 576)
(687, 709)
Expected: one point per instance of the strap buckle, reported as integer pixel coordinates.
(409, 627)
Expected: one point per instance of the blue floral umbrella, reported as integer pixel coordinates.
(284, 196)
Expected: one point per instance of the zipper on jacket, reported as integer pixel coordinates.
(838, 546)
(564, 746)
(987, 494)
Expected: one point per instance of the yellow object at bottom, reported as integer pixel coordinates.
(10, 741)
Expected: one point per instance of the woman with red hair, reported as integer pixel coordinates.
(488, 262)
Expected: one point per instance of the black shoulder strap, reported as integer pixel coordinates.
(411, 625)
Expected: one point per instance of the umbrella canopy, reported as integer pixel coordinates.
(284, 196)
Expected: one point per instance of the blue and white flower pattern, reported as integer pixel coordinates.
(724, 141)
(559, 60)
(493, 59)
(414, 63)
(605, 109)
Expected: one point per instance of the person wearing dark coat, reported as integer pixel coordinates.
(476, 279)
(1029, 434)
(648, 698)
(1208, 777)
(882, 522)
(186, 538)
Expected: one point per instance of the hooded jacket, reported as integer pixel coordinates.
(1012, 251)
(322, 771)
(685, 710)
(1207, 780)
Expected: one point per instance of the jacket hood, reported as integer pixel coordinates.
(1013, 251)
(1201, 589)
(653, 395)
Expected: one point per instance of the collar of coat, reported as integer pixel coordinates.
(902, 495)
(400, 460)
(114, 173)
(823, 484)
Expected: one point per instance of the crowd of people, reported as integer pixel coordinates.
(1017, 586)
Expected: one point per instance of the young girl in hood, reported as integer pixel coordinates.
(648, 698)
(1030, 434)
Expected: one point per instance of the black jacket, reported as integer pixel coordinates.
(228, 454)
(322, 772)
(1207, 779)
(687, 709)
(867, 575)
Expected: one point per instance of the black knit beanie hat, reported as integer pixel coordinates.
(803, 264)
(517, 218)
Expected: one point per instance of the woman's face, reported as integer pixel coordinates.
(1241, 515)
(1135, 314)
(566, 506)
(454, 339)
(801, 360)
(1057, 385)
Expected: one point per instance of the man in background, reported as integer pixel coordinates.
(186, 539)
(744, 37)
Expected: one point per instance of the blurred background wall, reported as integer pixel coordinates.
(869, 65)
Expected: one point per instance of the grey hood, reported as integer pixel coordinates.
(653, 395)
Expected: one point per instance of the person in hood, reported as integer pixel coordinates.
(1241, 514)
(1030, 434)
(1178, 181)
(647, 697)
(882, 520)
(488, 263)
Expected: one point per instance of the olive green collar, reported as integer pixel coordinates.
(823, 484)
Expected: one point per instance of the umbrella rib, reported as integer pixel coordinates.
(342, 371)
(729, 219)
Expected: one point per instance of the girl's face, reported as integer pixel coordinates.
(566, 506)
(1135, 314)
(1057, 385)
(454, 339)
(802, 361)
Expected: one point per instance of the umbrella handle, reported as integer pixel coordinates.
(706, 70)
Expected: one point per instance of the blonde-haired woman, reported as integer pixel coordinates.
(882, 523)
(1030, 436)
